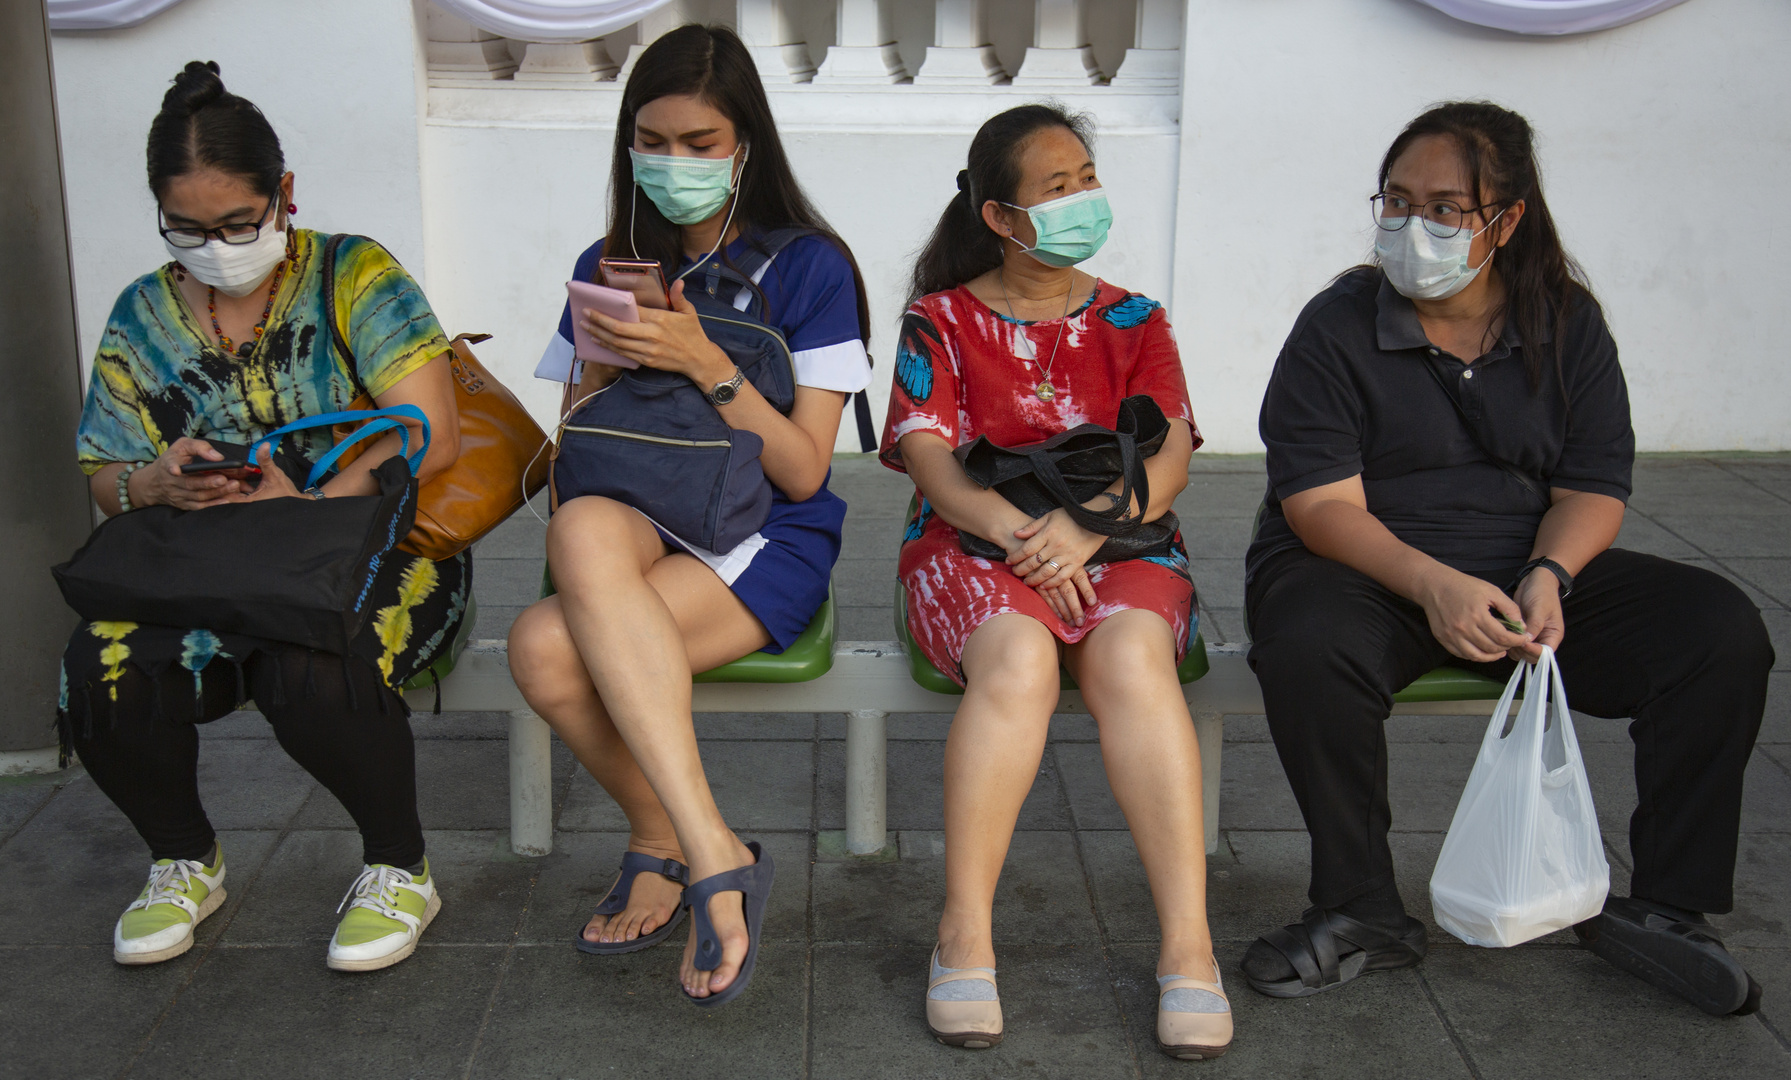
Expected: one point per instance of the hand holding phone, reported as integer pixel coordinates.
(236, 460)
(616, 304)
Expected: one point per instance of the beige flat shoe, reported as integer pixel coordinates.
(1193, 1036)
(971, 1024)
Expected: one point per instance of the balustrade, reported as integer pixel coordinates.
(866, 50)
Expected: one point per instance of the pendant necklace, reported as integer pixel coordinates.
(248, 345)
(1044, 390)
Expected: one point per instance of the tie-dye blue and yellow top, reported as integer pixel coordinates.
(159, 376)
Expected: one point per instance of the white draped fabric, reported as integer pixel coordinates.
(551, 20)
(103, 14)
(1551, 16)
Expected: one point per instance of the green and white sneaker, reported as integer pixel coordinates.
(387, 912)
(159, 923)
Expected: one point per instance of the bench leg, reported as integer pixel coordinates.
(531, 784)
(1209, 728)
(866, 781)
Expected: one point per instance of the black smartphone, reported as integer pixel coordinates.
(236, 459)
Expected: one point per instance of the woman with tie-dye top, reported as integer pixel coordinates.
(226, 342)
(1007, 339)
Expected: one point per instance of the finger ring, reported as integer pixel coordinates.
(1052, 563)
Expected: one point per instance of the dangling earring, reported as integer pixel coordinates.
(292, 208)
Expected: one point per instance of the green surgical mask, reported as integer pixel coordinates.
(1069, 229)
(686, 189)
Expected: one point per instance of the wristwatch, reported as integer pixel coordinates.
(1552, 567)
(725, 392)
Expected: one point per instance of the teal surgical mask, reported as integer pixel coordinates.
(685, 189)
(1069, 229)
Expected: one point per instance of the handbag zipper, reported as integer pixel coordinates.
(639, 437)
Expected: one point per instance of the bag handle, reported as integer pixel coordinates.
(343, 353)
(1133, 478)
(1511, 470)
(380, 421)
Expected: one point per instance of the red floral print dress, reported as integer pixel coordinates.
(964, 370)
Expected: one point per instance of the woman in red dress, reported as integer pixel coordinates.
(1009, 340)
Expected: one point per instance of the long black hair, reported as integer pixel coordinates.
(963, 246)
(710, 63)
(1542, 281)
(203, 125)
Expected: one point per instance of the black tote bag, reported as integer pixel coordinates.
(1073, 467)
(292, 570)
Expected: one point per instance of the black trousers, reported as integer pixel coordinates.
(353, 737)
(1679, 649)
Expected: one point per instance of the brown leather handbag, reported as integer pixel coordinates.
(500, 464)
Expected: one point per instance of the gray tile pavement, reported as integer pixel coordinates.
(496, 990)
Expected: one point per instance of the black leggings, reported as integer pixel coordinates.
(1679, 649)
(143, 750)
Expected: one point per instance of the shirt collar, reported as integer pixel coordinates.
(1396, 325)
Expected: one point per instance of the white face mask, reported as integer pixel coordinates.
(1426, 267)
(233, 269)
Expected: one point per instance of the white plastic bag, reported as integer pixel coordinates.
(1523, 856)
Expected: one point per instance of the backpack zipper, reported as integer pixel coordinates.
(639, 437)
(763, 328)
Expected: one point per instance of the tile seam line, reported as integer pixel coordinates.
(1461, 1048)
(1094, 906)
(210, 946)
(1748, 480)
(808, 908)
(1773, 1030)
(497, 986)
(38, 809)
(1675, 534)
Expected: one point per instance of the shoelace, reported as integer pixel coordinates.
(168, 883)
(376, 888)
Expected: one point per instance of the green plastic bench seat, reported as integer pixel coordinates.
(444, 663)
(928, 677)
(1451, 684)
(809, 657)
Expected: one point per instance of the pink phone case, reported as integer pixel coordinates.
(600, 298)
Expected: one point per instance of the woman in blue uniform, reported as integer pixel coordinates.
(699, 176)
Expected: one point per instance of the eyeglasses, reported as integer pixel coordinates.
(1442, 218)
(244, 233)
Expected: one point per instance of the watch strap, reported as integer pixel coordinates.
(732, 385)
(1552, 567)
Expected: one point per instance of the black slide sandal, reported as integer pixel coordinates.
(1684, 958)
(1327, 949)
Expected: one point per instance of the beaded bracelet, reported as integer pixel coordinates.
(124, 491)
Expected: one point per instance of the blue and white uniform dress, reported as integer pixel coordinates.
(782, 571)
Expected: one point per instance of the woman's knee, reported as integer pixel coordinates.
(544, 660)
(1130, 649)
(1717, 615)
(594, 531)
(1013, 657)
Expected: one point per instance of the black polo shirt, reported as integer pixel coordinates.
(1359, 389)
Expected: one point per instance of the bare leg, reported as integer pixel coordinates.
(991, 759)
(1126, 669)
(638, 619)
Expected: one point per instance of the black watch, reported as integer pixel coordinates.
(727, 391)
(1552, 567)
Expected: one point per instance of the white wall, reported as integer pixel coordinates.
(520, 177)
(339, 80)
(1665, 146)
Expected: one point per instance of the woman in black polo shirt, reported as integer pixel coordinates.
(1449, 442)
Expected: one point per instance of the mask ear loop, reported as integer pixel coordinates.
(733, 204)
(1495, 249)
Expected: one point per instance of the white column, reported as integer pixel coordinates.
(865, 50)
(457, 49)
(1155, 59)
(867, 782)
(770, 36)
(1060, 54)
(650, 29)
(531, 784)
(960, 54)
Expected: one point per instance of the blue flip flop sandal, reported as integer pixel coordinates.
(634, 864)
(753, 883)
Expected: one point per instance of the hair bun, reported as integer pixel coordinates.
(197, 86)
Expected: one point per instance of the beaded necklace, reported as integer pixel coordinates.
(211, 306)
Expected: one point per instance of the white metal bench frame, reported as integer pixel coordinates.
(868, 681)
